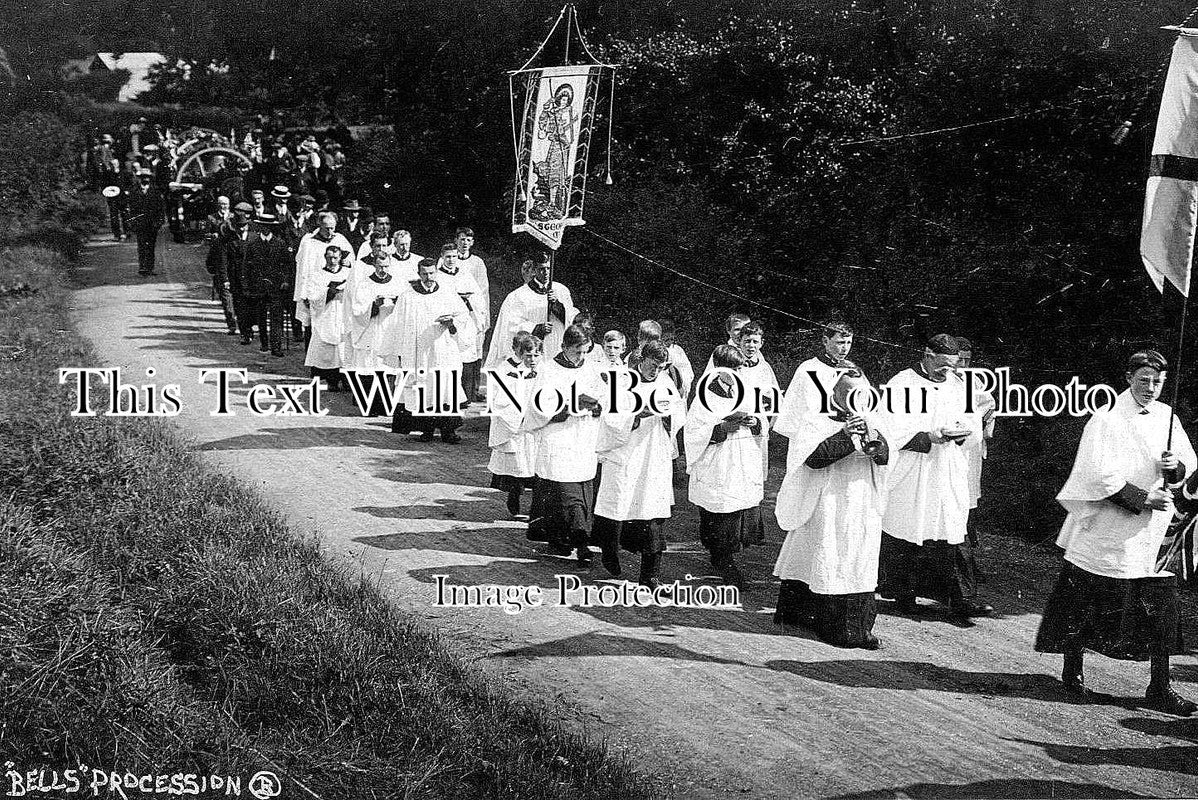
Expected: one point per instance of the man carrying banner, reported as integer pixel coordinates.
(542, 309)
(1112, 596)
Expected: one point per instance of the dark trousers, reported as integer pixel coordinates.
(936, 570)
(272, 317)
(470, 378)
(146, 242)
(225, 296)
(251, 311)
(116, 218)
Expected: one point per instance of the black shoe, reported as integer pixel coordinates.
(277, 353)
(732, 575)
(904, 604)
(870, 642)
(427, 436)
(449, 437)
(513, 506)
(970, 608)
(611, 563)
(585, 557)
(246, 341)
(1076, 689)
(263, 348)
(559, 549)
(1169, 702)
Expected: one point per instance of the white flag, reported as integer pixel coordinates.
(1171, 203)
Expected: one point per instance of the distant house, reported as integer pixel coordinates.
(138, 65)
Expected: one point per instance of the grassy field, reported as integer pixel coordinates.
(157, 617)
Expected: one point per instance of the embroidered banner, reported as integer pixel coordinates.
(554, 143)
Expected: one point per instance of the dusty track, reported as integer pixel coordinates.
(724, 703)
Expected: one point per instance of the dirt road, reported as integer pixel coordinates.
(724, 702)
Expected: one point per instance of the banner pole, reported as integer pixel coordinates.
(1181, 338)
(549, 303)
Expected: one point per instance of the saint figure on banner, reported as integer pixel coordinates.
(556, 124)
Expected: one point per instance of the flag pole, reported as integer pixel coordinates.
(1181, 340)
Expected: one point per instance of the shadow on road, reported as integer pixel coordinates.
(1000, 789)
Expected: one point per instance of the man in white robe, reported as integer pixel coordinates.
(760, 382)
(567, 436)
(463, 243)
(542, 309)
(328, 303)
(460, 279)
(309, 257)
(636, 495)
(404, 261)
(373, 299)
(382, 226)
(429, 324)
(803, 395)
(928, 504)
(1117, 590)
(830, 503)
(723, 458)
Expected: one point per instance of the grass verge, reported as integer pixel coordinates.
(156, 616)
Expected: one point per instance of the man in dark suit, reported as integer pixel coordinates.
(219, 227)
(145, 218)
(269, 269)
(352, 226)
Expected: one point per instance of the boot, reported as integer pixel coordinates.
(513, 501)
(1160, 695)
(650, 570)
(1071, 677)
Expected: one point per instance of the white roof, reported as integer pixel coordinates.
(138, 65)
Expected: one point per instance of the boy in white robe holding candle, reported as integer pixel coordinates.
(723, 457)
(513, 450)
(567, 435)
(830, 503)
(1117, 591)
(636, 495)
(328, 303)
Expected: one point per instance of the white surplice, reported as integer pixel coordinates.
(1119, 446)
(638, 455)
(565, 451)
(513, 450)
(309, 257)
(329, 347)
(482, 301)
(366, 326)
(461, 280)
(832, 515)
(727, 476)
(413, 340)
(522, 310)
(928, 493)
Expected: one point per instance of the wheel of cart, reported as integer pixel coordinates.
(203, 174)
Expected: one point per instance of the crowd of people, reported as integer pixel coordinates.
(137, 177)
(875, 502)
